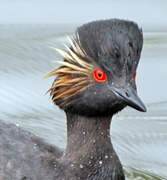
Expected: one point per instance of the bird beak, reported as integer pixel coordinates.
(129, 95)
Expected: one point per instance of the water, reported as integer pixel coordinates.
(139, 138)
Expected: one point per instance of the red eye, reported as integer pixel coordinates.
(100, 75)
(134, 76)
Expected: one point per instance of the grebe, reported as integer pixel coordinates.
(95, 81)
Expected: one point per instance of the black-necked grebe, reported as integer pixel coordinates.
(95, 81)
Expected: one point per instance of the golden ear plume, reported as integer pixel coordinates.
(74, 73)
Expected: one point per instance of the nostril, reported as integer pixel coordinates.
(127, 94)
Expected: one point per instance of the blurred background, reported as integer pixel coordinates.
(28, 30)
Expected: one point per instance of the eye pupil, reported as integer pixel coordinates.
(100, 75)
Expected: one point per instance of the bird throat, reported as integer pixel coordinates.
(88, 137)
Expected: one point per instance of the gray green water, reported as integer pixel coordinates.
(140, 139)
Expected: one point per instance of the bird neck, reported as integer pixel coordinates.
(88, 137)
(89, 151)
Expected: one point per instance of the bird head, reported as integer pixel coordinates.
(97, 75)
